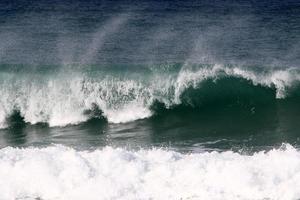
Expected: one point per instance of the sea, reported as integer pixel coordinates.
(149, 99)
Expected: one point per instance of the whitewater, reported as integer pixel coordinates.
(59, 172)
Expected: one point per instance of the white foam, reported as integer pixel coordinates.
(128, 113)
(63, 100)
(63, 173)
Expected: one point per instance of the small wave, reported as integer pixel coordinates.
(63, 97)
(60, 172)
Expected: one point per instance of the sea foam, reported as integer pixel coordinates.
(60, 172)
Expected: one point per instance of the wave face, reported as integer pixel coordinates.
(122, 94)
(63, 173)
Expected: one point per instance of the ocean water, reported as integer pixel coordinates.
(149, 99)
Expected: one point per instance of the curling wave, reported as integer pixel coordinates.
(62, 96)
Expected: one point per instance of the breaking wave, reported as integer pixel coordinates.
(122, 94)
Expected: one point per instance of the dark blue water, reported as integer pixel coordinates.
(131, 32)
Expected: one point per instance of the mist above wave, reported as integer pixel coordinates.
(90, 32)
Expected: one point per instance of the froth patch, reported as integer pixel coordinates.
(129, 113)
(63, 173)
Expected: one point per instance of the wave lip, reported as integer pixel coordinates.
(60, 172)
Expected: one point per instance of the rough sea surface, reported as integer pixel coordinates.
(149, 99)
